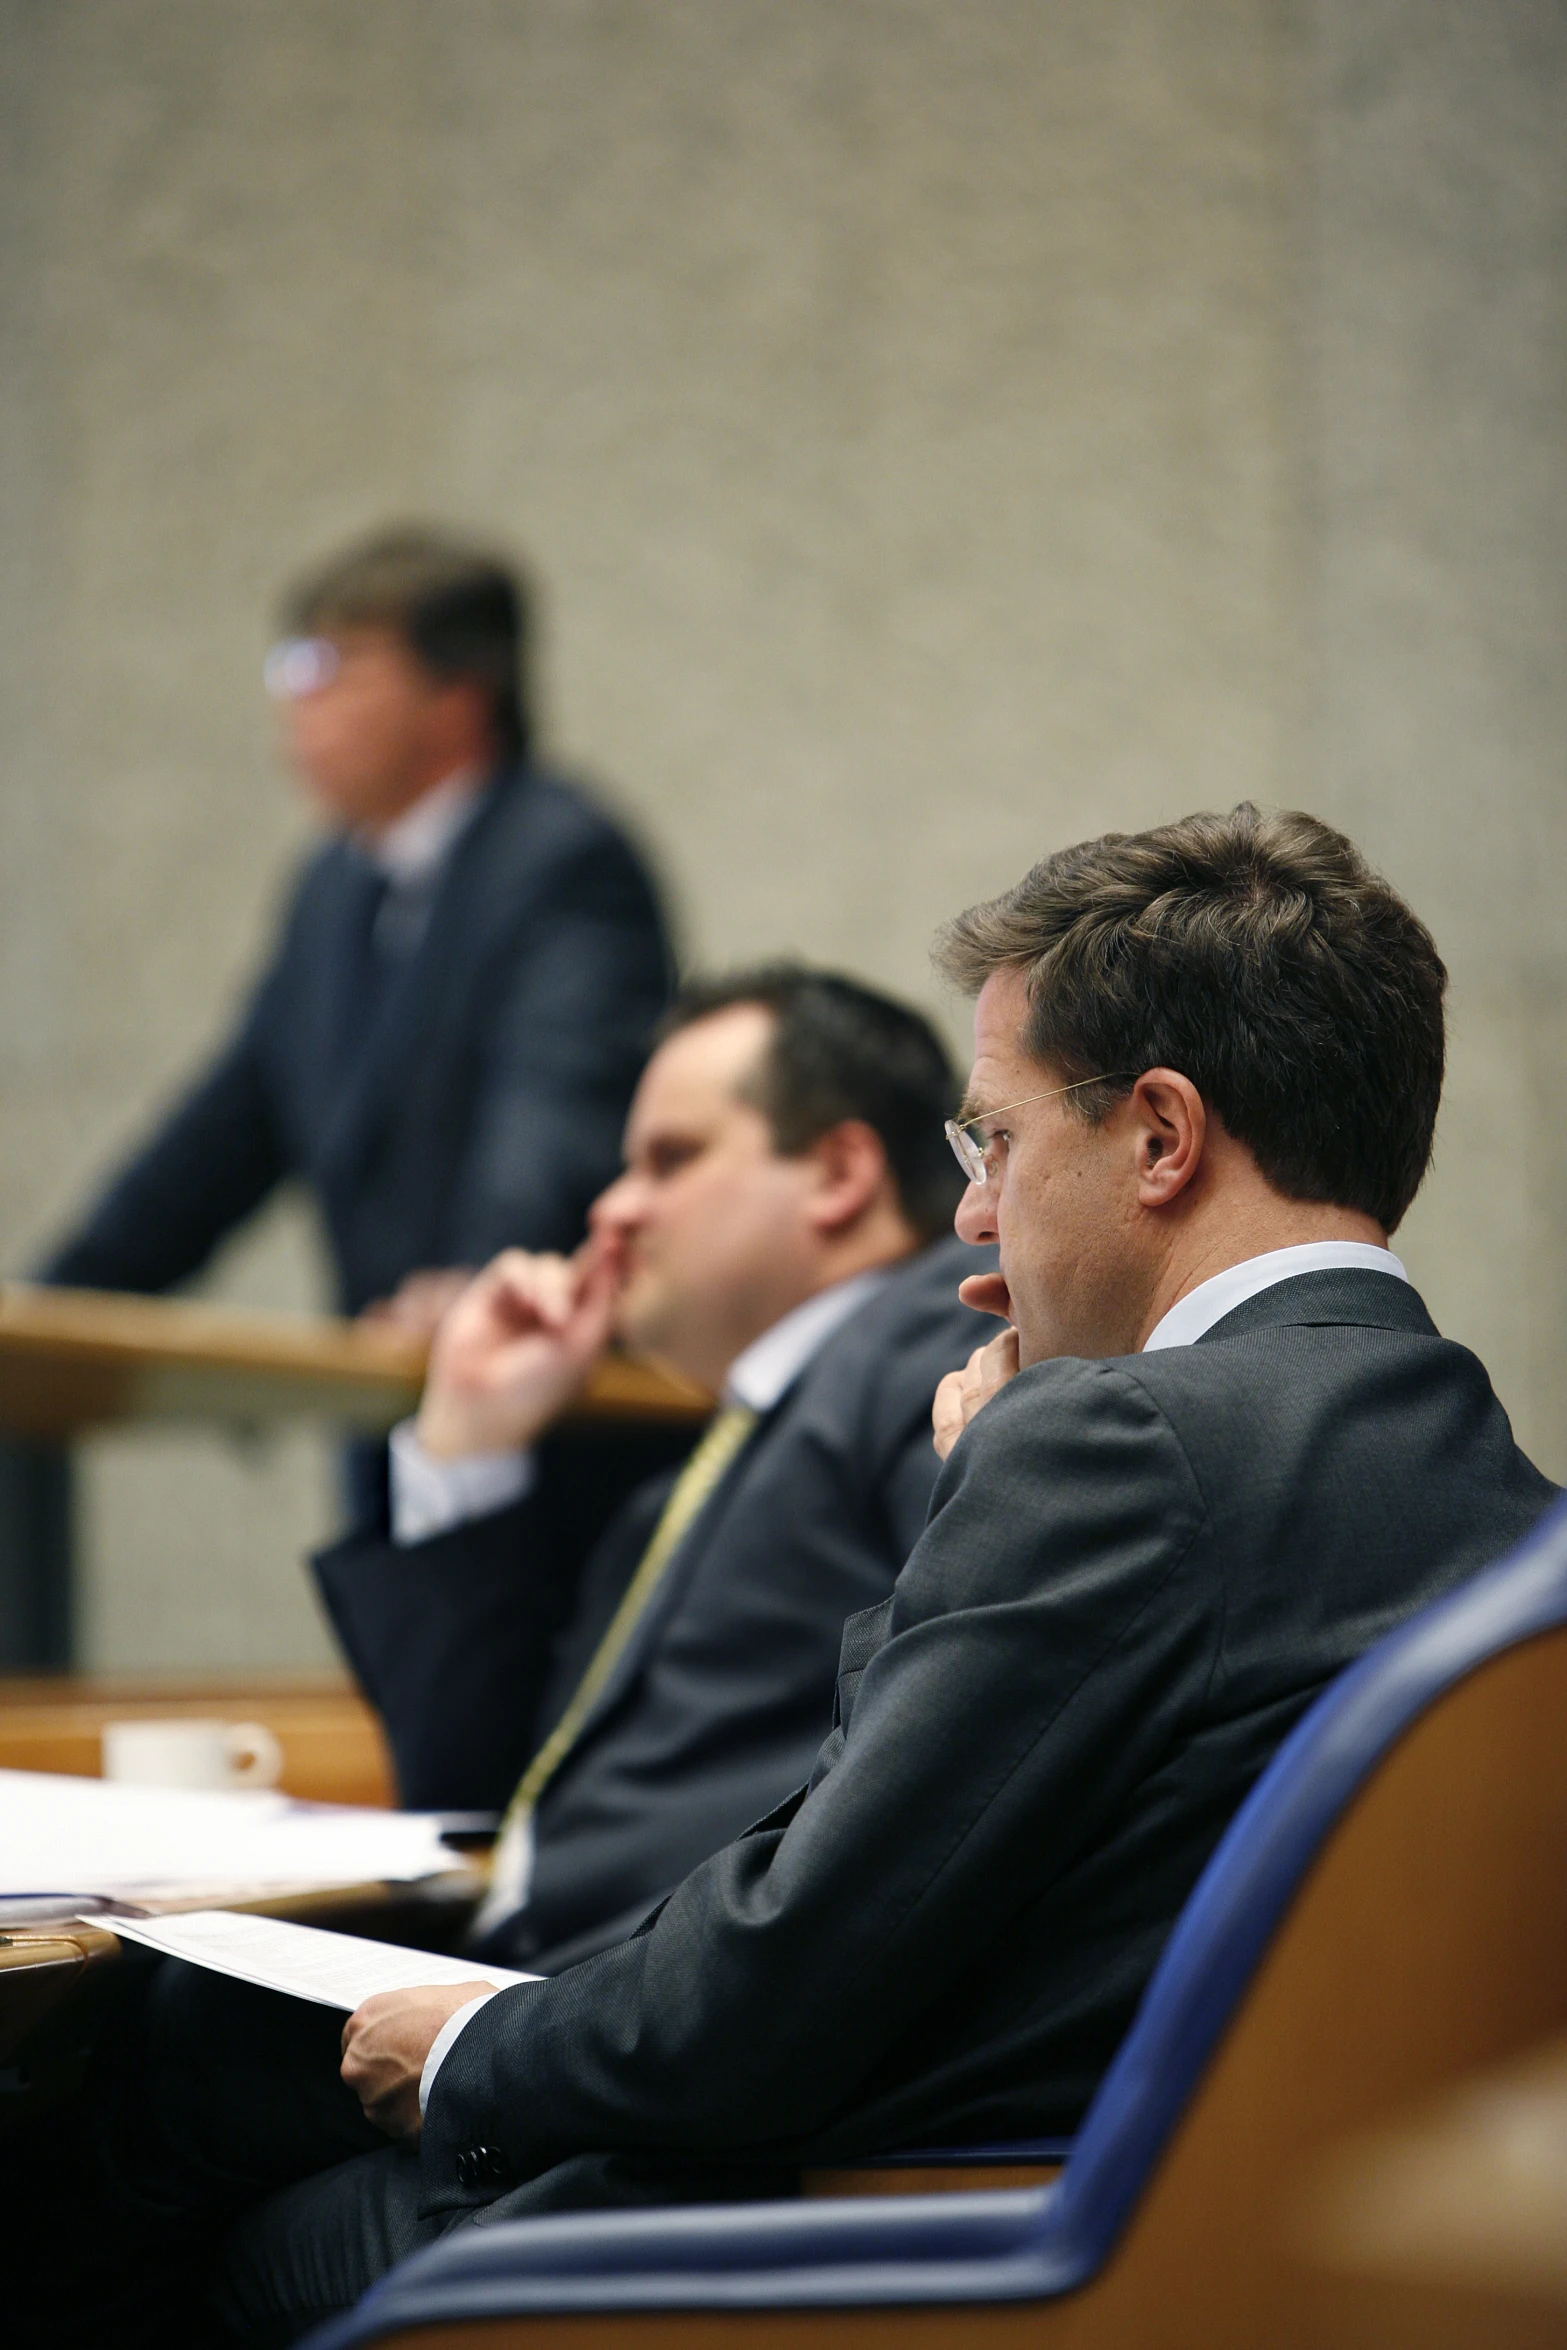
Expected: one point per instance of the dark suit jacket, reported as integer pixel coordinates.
(482, 1108)
(1136, 1576)
(472, 1643)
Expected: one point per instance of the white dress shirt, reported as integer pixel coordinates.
(412, 854)
(1210, 1301)
(411, 850)
(772, 1363)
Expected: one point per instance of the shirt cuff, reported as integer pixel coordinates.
(430, 1496)
(441, 2045)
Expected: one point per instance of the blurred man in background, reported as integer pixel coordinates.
(445, 1039)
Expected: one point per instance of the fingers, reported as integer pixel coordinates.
(594, 1313)
(532, 1292)
(947, 1418)
(385, 2044)
(964, 1393)
(997, 1363)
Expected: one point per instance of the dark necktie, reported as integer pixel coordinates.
(364, 968)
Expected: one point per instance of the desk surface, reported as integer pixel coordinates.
(73, 1359)
(333, 1748)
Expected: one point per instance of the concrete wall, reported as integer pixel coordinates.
(942, 432)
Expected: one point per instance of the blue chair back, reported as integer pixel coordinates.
(1260, 1862)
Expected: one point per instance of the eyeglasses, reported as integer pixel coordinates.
(300, 665)
(973, 1157)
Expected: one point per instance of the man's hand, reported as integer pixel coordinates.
(418, 1303)
(385, 2044)
(963, 1393)
(515, 1348)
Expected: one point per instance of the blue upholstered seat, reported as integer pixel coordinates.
(1021, 2244)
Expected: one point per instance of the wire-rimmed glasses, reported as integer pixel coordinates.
(970, 1154)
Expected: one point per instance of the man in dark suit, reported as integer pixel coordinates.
(1219, 1449)
(445, 1040)
(777, 1237)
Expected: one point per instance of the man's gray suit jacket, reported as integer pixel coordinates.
(471, 1644)
(1136, 1576)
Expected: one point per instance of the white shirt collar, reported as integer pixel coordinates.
(770, 1365)
(1211, 1300)
(417, 845)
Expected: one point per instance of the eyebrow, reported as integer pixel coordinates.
(969, 1110)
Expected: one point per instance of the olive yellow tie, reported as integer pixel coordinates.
(510, 1865)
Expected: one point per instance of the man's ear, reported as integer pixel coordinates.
(1169, 1127)
(850, 1163)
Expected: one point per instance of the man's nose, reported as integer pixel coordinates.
(975, 1220)
(615, 1209)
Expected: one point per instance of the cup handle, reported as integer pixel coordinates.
(255, 1757)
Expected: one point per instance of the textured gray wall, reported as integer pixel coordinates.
(942, 433)
(1434, 297)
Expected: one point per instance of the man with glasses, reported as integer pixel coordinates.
(1218, 1451)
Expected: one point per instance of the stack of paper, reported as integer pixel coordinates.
(85, 1837)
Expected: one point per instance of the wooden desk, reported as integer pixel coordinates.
(73, 1360)
(333, 1750)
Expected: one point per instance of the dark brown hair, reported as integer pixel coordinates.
(1261, 957)
(841, 1050)
(461, 610)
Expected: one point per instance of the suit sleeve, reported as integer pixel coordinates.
(453, 1641)
(215, 1159)
(1046, 1640)
(467, 1645)
(573, 1015)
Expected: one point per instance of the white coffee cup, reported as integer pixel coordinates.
(192, 1754)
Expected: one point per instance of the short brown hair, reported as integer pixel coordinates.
(1261, 957)
(462, 610)
(842, 1050)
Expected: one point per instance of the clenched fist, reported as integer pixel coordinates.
(385, 2044)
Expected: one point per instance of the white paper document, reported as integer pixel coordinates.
(335, 1970)
(93, 1836)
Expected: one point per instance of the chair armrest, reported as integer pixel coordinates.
(726, 2256)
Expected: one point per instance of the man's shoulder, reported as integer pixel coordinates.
(1315, 1333)
(536, 814)
(1070, 1407)
(1308, 1390)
